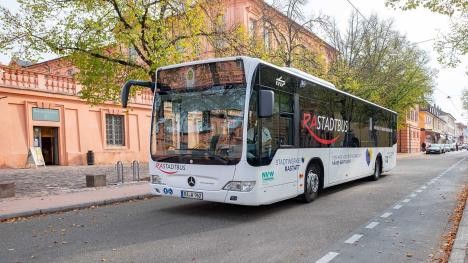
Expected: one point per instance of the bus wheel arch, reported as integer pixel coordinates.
(315, 168)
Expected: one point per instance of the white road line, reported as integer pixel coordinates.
(397, 207)
(372, 225)
(413, 195)
(353, 239)
(387, 214)
(419, 191)
(406, 200)
(327, 258)
(424, 187)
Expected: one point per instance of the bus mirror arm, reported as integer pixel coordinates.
(126, 89)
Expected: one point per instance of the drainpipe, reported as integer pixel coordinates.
(409, 141)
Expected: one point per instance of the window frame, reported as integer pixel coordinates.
(122, 130)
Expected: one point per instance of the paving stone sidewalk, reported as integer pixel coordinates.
(53, 180)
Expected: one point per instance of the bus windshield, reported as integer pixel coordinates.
(198, 114)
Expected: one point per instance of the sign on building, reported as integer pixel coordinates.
(40, 114)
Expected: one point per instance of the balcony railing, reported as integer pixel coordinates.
(20, 78)
(142, 97)
(26, 79)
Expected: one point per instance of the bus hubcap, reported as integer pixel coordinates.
(313, 181)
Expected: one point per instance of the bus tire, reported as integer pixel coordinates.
(377, 170)
(311, 182)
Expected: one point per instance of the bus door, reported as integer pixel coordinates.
(278, 143)
(286, 161)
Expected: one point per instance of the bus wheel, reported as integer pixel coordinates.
(377, 170)
(311, 183)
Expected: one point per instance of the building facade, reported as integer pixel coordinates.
(431, 125)
(41, 108)
(460, 133)
(409, 133)
(449, 135)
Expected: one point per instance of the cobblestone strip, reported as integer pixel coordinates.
(53, 180)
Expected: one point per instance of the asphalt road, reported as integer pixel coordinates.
(410, 207)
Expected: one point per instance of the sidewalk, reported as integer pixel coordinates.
(460, 247)
(28, 206)
(61, 188)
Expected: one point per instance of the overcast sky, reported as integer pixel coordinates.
(419, 25)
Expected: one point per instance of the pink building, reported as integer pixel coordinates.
(42, 109)
(40, 106)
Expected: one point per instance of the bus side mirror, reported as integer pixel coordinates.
(126, 89)
(266, 102)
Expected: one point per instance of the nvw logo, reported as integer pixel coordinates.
(268, 176)
(322, 123)
(280, 82)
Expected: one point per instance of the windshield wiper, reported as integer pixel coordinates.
(221, 159)
(173, 156)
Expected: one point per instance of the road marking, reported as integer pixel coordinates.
(397, 207)
(387, 214)
(406, 200)
(424, 187)
(372, 225)
(353, 239)
(413, 195)
(418, 191)
(327, 258)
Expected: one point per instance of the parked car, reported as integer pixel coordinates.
(453, 147)
(447, 147)
(435, 148)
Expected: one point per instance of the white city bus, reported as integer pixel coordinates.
(243, 131)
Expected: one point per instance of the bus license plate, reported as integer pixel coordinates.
(191, 195)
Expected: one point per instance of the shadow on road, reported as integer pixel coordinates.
(249, 213)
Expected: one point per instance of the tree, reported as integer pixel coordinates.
(284, 36)
(377, 63)
(454, 44)
(110, 41)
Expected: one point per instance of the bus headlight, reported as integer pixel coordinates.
(240, 186)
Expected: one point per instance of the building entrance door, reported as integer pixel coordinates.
(47, 139)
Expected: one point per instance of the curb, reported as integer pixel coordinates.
(409, 155)
(66, 208)
(460, 246)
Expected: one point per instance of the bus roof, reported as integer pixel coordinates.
(292, 71)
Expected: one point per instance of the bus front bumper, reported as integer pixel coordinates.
(222, 196)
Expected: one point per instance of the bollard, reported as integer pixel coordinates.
(136, 170)
(119, 168)
(7, 190)
(96, 180)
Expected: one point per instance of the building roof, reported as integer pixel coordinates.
(443, 113)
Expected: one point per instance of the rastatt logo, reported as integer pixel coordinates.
(314, 123)
(170, 168)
